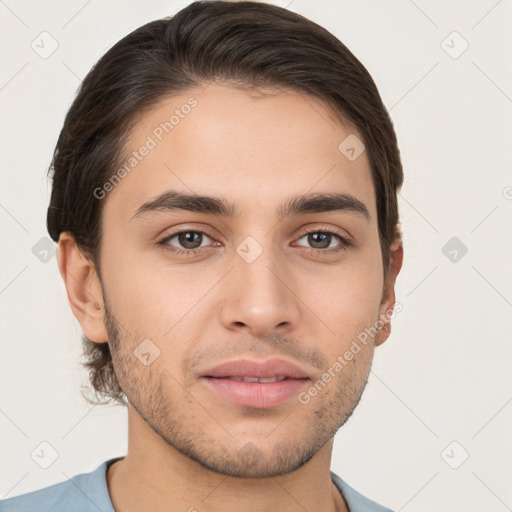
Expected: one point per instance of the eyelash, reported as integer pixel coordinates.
(343, 246)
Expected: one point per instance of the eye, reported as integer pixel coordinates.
(188, 242)
(321, 241)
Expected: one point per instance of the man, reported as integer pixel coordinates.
(225, 205)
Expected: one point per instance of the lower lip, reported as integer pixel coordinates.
(256, 394)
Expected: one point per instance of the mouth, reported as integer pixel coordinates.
(255, 392)
(261, 380)
(252, 384)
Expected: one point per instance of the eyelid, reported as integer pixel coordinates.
(327, 229)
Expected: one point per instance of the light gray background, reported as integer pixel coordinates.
(443, 376)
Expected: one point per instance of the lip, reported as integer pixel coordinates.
(248, 368)
(256, 394)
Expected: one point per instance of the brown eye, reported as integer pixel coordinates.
(187, 242)
(189, 239)
(322, 240)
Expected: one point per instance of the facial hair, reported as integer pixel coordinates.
(173, 412)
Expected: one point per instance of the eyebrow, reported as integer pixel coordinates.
(171, 201)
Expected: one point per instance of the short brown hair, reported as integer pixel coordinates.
(252, 44)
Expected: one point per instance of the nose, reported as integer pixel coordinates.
(259, 297)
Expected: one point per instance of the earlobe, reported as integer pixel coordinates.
(383, 334)
(388, 296)
(83, 288)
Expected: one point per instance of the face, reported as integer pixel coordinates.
(185, 290)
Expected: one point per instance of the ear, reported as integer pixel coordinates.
(388, 294)
(83, 288)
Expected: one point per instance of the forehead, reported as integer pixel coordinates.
(254, 149)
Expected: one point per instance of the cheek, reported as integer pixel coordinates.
(153, 299)
(346, 296)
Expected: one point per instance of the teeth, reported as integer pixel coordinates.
(245, 379)
(272, 379)
(257, 379)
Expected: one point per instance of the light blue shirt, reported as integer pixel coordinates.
(88, 492)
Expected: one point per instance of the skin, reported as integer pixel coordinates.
(187, 446)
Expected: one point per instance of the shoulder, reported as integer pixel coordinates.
(82, 493)
(355, 500)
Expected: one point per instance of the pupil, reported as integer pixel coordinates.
(324, 239)
(188, 237)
